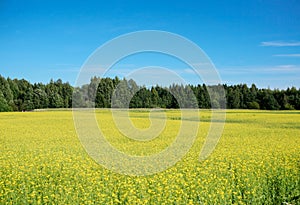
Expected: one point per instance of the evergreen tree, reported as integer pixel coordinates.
(20, 95)
(4, 107)
(6, 92)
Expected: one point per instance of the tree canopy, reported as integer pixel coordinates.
(21, 95)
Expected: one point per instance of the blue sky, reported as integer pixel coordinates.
(248, 41)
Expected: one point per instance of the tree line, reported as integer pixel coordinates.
(21, 95)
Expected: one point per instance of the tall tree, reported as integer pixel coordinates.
(67, 91)
(4, 107)
(6, 91)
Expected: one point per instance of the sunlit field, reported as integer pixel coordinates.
(257, 161)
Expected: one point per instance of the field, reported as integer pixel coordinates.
(257, 161)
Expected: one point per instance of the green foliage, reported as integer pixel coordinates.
(4, 107)
(21, 95)
(253, 105)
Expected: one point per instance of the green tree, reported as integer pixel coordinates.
(77, 99)
(154, 98)
(104, 93)
(67, 92)
(253, 105)
(25, 95)
(268, 101)
(54, 90)
(92, 89)
(15, 91)
(4, 107)
(40, 98)
(6, 91)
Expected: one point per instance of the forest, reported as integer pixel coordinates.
(21, 95)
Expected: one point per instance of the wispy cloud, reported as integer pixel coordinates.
(188, 70)
(244, 70)
(285, 68)
(288, 55)
(280, 43)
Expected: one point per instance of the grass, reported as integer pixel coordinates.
(257, 161)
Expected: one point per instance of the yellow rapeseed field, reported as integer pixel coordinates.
(257, 161)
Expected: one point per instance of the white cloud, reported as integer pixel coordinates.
(245, 70)
(280, 43)
(288, 55)
(285, 68)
